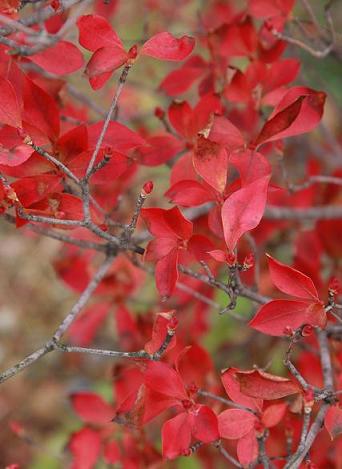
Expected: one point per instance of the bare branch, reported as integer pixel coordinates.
(229, 403)
(33, 357)
(325, 212)
(52, 160)
(122, 81)
(227, 456)
(313, 432)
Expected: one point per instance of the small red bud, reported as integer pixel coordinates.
(147, 188)
(27, 140)
(288, 331)
(334, 286)
(307, 330)
(55, 5)
(248, 261)
(192, 388)
(103, 227)
(187, 404)
(259, 428)
(11, 195)
(231, 259)
(309, 397)
(21, 133)
(16, 427)
(173, 323)
(159, 112)
(2, 210)
(108, 151)
(133, 52)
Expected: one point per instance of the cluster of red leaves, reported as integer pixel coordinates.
(220, 147)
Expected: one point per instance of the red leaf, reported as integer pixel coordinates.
(159, 332)
(178, 81)
(232, 388)
(112, 453)
(181, 117)
(118, 136)
(163, 379)
(247, 449)
(294, 115)
(200, 246)
(276, 316)
(9, 105)
(167, 223)
(33, 189)
(61, 59)
(211, 163)
(106, 59)
(204, 424)
(92, 408)
(280, 123)
(85, 447)
(269, 8)
(184, 364)
(72, 143)
(262, 385)
(167, 274)
(281, 73)
(243, 210)
(158, 149)
(188, 193)
(15, 156)
(273, 414)
(158, 248)
(235, 423)
(40, 111)
(95, 32)
(291, 281)
(112, 170)
(176, 436)
(224, 132)
(333, 421)
(165, 46)
(251, 166)
(97, 81)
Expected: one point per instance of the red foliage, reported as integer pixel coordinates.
(67, 175)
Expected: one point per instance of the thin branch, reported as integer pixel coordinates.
(141, 354)
(48, 220)
(27, 361)
(122, 81)
(228, 402)
(52, 160)
(129, 229)
(293, 370)
(263, 458)
(55, 344)
(325, 212)
(227, 456)
(327, 371)
(295, 462)
(313, 180)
